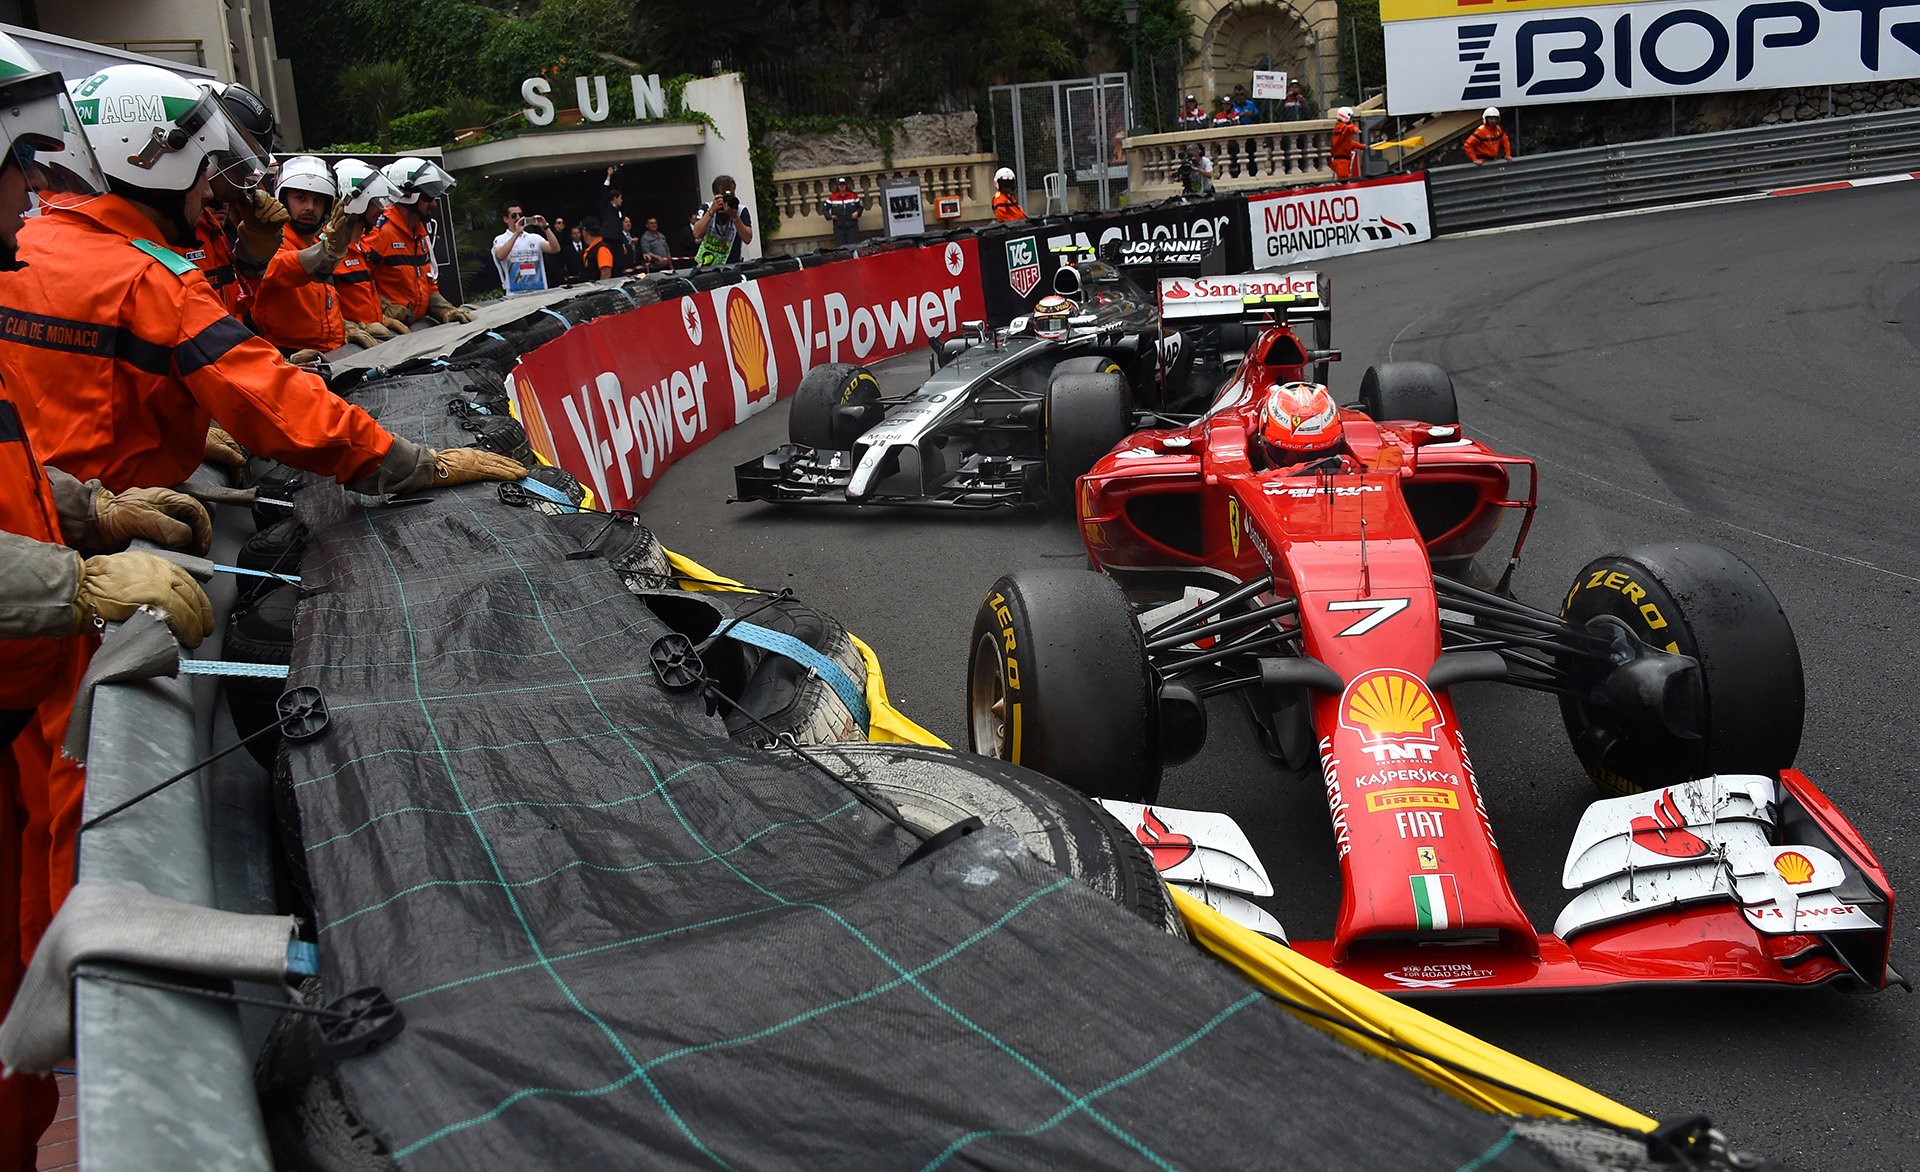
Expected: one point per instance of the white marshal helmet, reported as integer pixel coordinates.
(1343, 114)
(360, 183)
(413, 178)
(38, 123)
(1003, 175)
(1490, 112)
(307, 173)
(150, 128)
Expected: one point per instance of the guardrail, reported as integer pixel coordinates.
(1673, 170)
(798, 194)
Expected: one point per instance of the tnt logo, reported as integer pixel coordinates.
(1394, 714)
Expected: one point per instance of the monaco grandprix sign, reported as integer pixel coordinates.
(1311, 222)
(1464, 54)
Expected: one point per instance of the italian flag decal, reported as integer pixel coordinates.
(1436, 901)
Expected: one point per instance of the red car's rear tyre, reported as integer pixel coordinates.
(1701, 601)
(1058, 681)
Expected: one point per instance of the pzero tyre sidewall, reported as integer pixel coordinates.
(1073, 673)
(935, 788)
(811, 420)
(1702, 601)
(1418, 392)
(1086, 416)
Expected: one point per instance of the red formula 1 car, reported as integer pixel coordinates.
(1342, 599)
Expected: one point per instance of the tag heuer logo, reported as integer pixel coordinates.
(1023, 265)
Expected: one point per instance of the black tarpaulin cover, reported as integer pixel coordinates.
(622, 940)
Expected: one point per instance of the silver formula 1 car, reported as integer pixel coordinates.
(1006, 417)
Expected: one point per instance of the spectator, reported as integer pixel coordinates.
(610, 200)
(630, 244)
(1295, 108)
(1193, 116)
(721, 225)
(1245, 113)
(1223, 115)
(563, 267)
(1489, 140)
(1346, 144)
(655, 254)
(596, 259)
(1195, 172)
(519, 252)
(1006, 205)
(842, 208)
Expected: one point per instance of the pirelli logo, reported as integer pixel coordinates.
(1412, 799)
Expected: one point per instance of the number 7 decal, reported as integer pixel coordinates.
(1379, 611)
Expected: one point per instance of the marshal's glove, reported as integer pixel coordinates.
(341, 228)
(305, 357)
(261, 219)
(442, 310)
(373, 329)
(224, 450)
(160, 515)
(453, 466)
(115, 585)
(395, 317)
(357, 335)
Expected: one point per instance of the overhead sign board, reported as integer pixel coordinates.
(1465, 54)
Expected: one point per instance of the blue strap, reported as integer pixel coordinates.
(559, 317)
(222, 667)
(548, 491)
(780, 643)
(496, 335)
(303, 958)
(256, 573)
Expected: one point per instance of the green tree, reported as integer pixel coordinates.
(1363, 49)
(379, 91)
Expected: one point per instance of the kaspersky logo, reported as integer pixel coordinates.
(1023, 264)
(1395, 715)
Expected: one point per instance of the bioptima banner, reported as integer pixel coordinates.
(1465, 54)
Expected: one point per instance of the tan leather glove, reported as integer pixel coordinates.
(261, 220)
(115, 585)
(305, 357)
(160, 515)
(339, 232)
(453, 466)
(373, 329)
(395, 317)
(357, 335)
(442, 310)
(224, 450)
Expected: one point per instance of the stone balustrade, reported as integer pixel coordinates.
(1260, 155)
(799, 194)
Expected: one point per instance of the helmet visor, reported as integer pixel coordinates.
(238, 162)
(42, 131)
(431, 182)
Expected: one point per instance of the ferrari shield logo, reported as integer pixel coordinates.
(1233, 524)
(1023, 265)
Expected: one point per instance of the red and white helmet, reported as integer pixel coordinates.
(1343, 114)
(1300, 421)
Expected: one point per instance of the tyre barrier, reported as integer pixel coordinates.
(275, 549)
(260, 632)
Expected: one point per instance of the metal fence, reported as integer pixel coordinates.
(1673, 170)
(1068, 128)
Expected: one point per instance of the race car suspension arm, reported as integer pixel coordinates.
(1243, 593)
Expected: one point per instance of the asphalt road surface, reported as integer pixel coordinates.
(1739, 374)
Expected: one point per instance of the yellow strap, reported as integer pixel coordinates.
(1279, 969)
(887, 722)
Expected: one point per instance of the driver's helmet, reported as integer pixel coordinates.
(1051, 315)
(1300, 422)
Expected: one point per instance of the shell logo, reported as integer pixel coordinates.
(534, 420)
(1794, 867)
(1390, 703)
(747, 345)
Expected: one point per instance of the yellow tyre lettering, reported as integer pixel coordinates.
(1651, 613)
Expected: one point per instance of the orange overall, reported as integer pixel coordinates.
(293, 310)
(1346, 144)
(399, 256)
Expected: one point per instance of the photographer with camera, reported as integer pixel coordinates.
(1194, 173)
(518, 252)
(721, 225)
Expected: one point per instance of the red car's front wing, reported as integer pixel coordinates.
(1688, 944)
